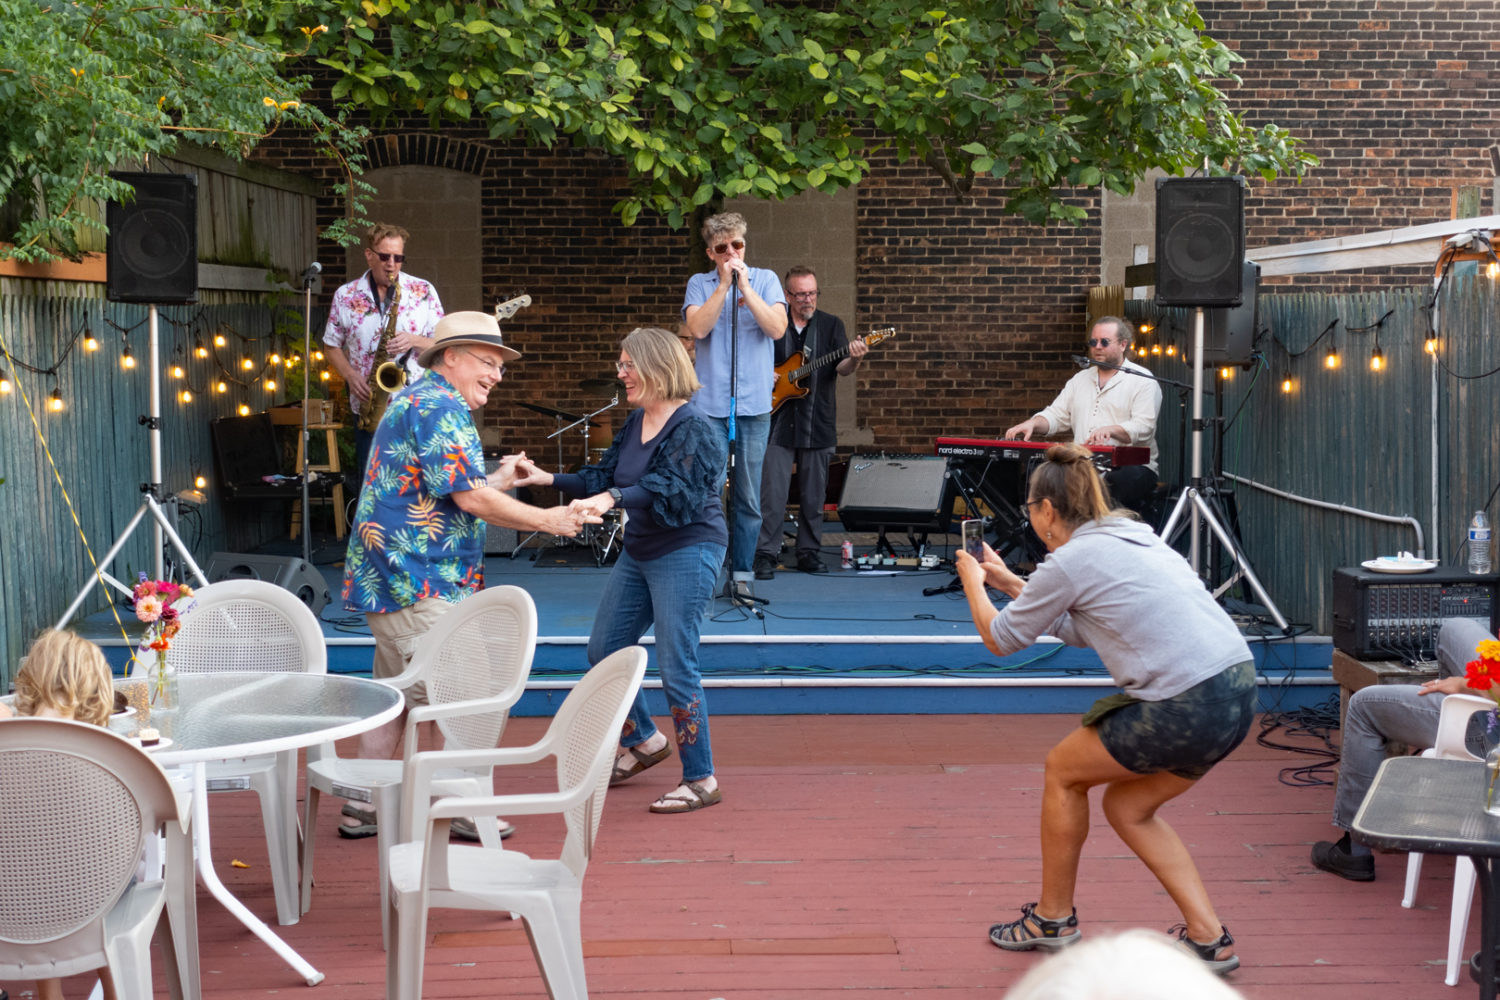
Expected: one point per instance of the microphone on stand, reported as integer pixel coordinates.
(1081, 361)
(310, 277)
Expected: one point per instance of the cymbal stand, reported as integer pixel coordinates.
(600, 538)
(555, 434)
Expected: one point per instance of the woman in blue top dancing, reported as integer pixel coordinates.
(665, 469)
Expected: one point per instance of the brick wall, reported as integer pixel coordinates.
(1399, 99)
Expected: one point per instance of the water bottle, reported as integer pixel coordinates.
(846, 554)
(1479, 543)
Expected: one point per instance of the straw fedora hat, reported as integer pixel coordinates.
(466, 328)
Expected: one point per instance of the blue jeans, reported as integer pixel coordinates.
(749, 455)
(670, 593)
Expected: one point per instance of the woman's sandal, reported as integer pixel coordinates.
(1211, 954)
(1032, 931)
(364, 825)
(640, 763)
(697, 797)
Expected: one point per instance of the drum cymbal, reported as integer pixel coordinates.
(548, 411)
(602, 386)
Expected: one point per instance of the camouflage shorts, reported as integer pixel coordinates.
(1184, 735)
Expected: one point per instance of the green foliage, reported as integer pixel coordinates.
(89, 87)
(706, 100)
(698, 99)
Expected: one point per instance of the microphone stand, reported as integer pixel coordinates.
(736, 599)
(309, 279)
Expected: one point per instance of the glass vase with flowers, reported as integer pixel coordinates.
(156, 606)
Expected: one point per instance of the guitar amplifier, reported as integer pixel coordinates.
(1383, 616)
(893, 491)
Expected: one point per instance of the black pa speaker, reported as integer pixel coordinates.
(909, 492)
(287, 572)
(153, 240)
(1229, 333)
(1200, 240)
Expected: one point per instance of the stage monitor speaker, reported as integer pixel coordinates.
(883, 491)
(153, 240)
(287, 572)
(1200, 240)
(1229, 333)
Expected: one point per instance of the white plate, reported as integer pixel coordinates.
(166, 741)
(1386, 564)
(125, 713)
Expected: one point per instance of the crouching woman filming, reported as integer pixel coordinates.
(1188, 694)
(665, 468)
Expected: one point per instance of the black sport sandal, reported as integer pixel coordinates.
(1032, 931)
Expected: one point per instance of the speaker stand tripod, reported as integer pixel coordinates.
(151, 502)
(1200, 511)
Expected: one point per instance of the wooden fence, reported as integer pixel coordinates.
(1347, 436)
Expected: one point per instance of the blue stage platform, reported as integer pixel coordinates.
(845, 642)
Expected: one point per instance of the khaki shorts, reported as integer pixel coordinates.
(396, 636)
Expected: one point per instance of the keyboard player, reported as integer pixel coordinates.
(1101, 406)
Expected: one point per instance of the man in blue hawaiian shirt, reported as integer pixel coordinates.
(417, 544)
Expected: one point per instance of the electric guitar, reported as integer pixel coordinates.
(791, 372)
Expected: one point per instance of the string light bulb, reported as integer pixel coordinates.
(55, 401)
(1140, 352)
(1286, 384)
(1147, 327)
(5, 386)
(176, 371)
(127, 360)
(317, 355)
(323, 375)
(199, 350)
(244, 409)
(1430, 345)
(221, 386)
(275, 358)
(219, 340)
(1171, 350)
(200, 481)
(270, 385)
(186, 396)
(90, 342)
(1492, 270)
(1226, 373)
(1331, 359)
(1155, 348)
(1377, 359)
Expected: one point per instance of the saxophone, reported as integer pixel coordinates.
(388, 375)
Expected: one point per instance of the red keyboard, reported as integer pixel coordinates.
(1017, 450)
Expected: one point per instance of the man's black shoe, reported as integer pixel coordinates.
(1331, 857)
(810, 562)
(765, 566)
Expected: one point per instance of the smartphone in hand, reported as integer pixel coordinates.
(973, 535)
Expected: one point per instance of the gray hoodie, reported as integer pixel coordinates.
(1118, 589)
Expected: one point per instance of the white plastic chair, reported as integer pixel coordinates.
(80, 804)
(1453, 727)
(255, 625)
(474, 662)
(547, 894)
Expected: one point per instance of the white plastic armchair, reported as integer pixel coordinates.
(474, 663)
(80, 805)
(255, 625)
(547, 894)
(1451, 744)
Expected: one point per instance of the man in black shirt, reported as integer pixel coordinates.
(803, 429)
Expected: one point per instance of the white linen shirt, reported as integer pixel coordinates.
(1132, 401)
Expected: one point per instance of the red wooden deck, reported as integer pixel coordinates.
(858, 854)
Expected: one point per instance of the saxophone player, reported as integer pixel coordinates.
(382, 315)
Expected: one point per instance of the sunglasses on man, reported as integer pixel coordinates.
(722, 248)
(1100, 341)
(386, 258)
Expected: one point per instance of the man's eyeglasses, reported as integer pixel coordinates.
(386, 258)
(805, 295)
(724, 247)
(624, 367)
(498, 369)
(1100, 341)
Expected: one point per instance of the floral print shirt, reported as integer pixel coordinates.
(410, 540)
(355, 322)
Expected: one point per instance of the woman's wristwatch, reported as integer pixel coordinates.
(614, 495)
